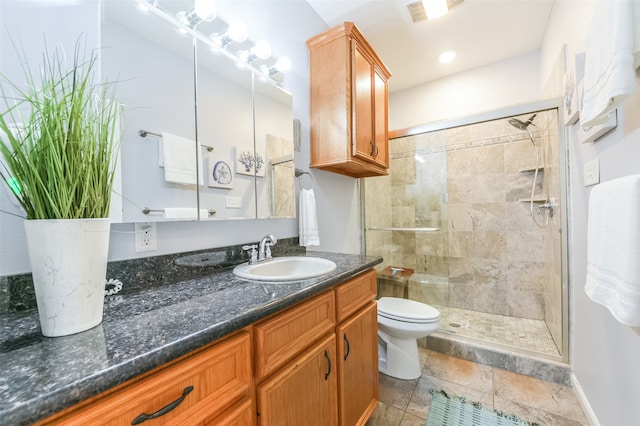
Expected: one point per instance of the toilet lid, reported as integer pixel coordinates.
(406, 310)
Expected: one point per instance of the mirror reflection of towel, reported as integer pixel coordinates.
(179, 158)
(308, 220)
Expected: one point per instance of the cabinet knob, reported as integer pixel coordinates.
(161, 412)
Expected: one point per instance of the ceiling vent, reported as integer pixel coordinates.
(417, 12)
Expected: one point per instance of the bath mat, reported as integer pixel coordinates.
(449, 410)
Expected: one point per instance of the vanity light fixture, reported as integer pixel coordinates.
(435, 8)
(236, 31)
(203, 10)
(447, 56)
(282, 66)
(145, 6)
(261, 50)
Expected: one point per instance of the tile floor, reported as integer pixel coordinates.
(406, 402)
(520, 333)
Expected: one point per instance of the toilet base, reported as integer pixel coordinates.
(398, 358)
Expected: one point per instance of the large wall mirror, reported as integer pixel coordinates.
(177, 91)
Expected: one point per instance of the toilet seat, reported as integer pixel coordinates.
(405, 310)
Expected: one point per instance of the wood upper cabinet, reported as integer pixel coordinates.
(349, 104)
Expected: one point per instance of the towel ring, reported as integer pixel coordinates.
(299, 174)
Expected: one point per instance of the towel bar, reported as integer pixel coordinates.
(145, 133)
(147, 210)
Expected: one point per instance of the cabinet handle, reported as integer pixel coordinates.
(326, 355)
(346, 341)
(373, 148)
(161, 412)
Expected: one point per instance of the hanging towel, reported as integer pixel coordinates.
(611, 57)
(613, 248)
(179, 159)
(308, 221)
(185, 213)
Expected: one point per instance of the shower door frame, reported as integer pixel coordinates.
(564, 166)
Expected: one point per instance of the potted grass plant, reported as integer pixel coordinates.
(59, 139)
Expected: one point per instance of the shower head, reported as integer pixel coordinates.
(522, 125)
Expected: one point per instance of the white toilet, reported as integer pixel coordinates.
(400, 323)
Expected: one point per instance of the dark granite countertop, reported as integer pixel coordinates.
(141, 330)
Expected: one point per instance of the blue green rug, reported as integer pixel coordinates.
(449, 410)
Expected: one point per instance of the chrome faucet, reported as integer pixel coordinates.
(264, 250)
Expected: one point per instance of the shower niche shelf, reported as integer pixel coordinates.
(537, 200)
(405, 229)
(531, 169)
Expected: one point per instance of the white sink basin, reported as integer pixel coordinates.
(293, 268)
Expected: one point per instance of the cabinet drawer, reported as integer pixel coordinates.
(355, 293)
(280, 338)
(218, 377)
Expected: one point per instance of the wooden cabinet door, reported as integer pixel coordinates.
(380, 117)
(362, 104)
(358, 387)
(304, 392)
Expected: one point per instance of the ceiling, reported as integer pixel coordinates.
(480, 31)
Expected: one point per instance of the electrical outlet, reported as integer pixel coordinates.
(233, 202)
(145, 237)
(591, 173)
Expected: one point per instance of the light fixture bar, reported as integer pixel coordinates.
(208, 41)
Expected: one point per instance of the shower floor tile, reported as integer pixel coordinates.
(523, 333)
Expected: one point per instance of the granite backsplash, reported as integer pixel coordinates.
(17, 293)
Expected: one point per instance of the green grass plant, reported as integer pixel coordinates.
(59, 137)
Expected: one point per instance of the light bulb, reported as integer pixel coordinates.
(283, 64)
(237, 31)
(205, 9)
(262, 49)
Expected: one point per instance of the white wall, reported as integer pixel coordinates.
(604, 353)
(287, 25)
(510, 82)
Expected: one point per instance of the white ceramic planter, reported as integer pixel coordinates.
(69, 264)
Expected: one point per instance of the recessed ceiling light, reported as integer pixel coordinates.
(447, 56)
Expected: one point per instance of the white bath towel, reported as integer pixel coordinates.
(613, 248)
(611, 57)
(184, 213)
(179, 159)
(308, 220)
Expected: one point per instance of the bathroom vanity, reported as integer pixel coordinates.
(215, 349)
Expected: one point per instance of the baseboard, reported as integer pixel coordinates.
(586, 407)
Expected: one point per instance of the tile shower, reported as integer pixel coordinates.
(455, 209)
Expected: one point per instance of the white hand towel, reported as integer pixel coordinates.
(611, 57)
(613, 248)
(179, 158)
(184, 213)
(308, 220)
